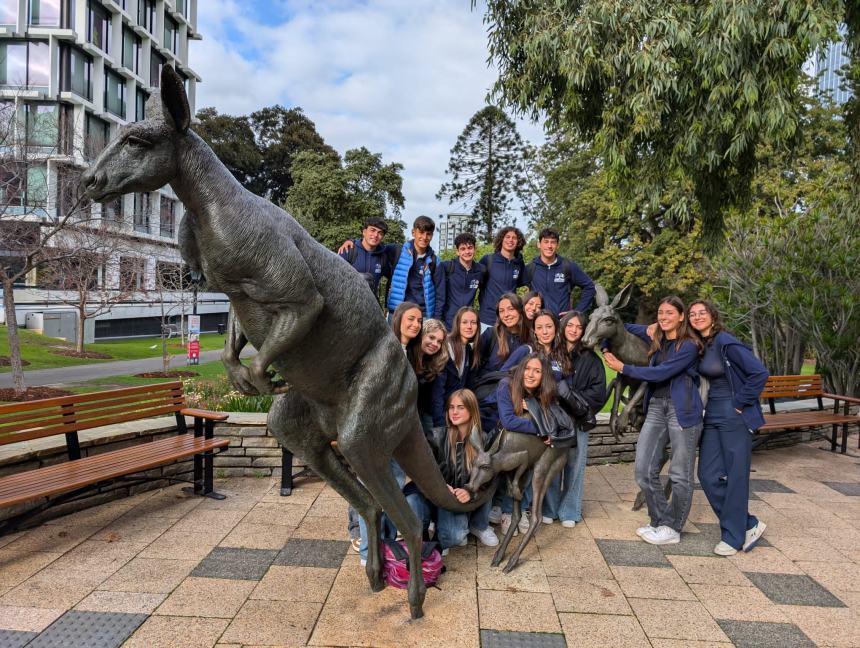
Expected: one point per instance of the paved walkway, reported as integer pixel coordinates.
(163, 570)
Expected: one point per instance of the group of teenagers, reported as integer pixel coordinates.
(479, 370)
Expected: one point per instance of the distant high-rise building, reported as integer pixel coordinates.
(827, 69)
(450, 226)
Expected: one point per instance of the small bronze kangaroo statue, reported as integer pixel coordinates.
(308, 314)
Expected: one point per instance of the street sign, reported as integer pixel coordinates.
(193, 324)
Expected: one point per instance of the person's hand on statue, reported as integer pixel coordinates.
(461, 494)
(347, 245)
(612, 362)
(651, 330)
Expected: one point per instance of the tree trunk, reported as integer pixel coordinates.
(79, 343)
(14, 341)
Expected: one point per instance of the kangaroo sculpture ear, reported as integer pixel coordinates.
(174, 99)
(476, 440)
(623, 297)
(600, 296)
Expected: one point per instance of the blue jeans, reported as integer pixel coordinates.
(661, 427)
(386, 526)
(507, 503)
(724, 469)
(451, 528)
(564, 496)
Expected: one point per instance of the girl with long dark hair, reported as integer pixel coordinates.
(507, 334)
(673, 414)
(464, 358)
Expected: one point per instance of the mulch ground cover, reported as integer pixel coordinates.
(33, 393)
(6, 361)
(93, 355)
(167, 374)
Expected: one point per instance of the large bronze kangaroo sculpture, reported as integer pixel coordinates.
(307, 312)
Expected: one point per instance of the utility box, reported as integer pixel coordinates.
(61, 324)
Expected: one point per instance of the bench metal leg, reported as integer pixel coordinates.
(204, 463)
(286, 472)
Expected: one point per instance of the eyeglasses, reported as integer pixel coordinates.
(698, 314)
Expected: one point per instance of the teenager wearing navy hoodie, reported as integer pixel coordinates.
(735, 380)
(505, 272)
(553, 276)
(464, 359)
(461, 278)
(673, 414)
(368, 255)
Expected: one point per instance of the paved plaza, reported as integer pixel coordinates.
(166, 570)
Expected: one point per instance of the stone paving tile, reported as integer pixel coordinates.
(131, 528)
(582, 557)
(686, 643)
(321, 527)
(15, 638)
(676, 620)
(238, 564)
(27, 619)
(207, 597)
(130, 602)
(17, 566)
(696, 569)
(172, 632)
(257, 536)
(149, 575)
(98, 556)
(750, 634)
(794, 589)
(312, 552)
(834, 576)
(529, 576)
(517, 611)
(188, 546)
(310, 584)
(632, 553)
(91, 629)
(58, 590)
(50, 538)
(738, 603)
(852, 489)
(500, 639)
(826, 626)
(588, 596)
(270, 623)
(603, 630)
(808, 549)
(764, 559)
(97, 516)
(653, 583)
(768, 486)
(173, 505)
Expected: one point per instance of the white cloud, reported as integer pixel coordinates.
(401, 78)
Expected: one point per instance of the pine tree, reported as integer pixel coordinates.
(485, 169)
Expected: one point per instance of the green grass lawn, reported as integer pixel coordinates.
(37, 349)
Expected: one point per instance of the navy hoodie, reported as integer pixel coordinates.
(747, 377)
(458, 287)
(680, 368)
(372, 265)
(450, 380)
(503, 275)
(554, 285)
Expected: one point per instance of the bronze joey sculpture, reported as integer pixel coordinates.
(307, 312)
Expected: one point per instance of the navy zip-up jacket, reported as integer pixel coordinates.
(507, 416)
(458, 287)
(372, 265)
(680, 368)
(502, 275)
(588, 378)
(450, 380)
(490, 360)
(554, 285)
(747, 377)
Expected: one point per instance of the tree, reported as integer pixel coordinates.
(332, 199)
(486, 169)
(233, 142)
(673, 95)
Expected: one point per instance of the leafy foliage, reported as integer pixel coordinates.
(486, 169)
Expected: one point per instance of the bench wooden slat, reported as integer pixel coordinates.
(85, 398)
(204, 414)
(798, 420)
(793, 386)
(71, 475)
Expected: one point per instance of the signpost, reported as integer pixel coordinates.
(193, 339)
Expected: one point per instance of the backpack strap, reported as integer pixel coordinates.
(530, 273)
(398, 550)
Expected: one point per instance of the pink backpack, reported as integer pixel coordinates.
(395, 563)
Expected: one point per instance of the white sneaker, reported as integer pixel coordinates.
(662, 535)
(486, 537)
(547, 520)
(505, 523)
(363, 562)
(431, 529)
(641, 531)
(445, 551)
(495, 515)
(524, 523)
(754, 535)
(568, 524)
(724, 549)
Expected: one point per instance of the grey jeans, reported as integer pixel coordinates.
(661, 427)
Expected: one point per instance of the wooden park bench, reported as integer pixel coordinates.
(80, 475)
(806, 387)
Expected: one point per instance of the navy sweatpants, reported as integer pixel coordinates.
(725, 457)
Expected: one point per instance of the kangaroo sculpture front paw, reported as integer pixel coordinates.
(240, 377)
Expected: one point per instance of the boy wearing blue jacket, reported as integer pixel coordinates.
(368, 254)
(461, 278)
(553, 276)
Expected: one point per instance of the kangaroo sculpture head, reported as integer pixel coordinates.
(144, 155)
(604, 321)
(504, 454)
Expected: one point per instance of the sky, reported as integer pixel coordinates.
(401, 77)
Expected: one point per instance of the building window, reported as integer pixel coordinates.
(171, 34)
(52, 13)
(37, 186)
(130, 50)
(140, 104)
(169, 275)
(8, 13)
(132, 271)
(113, 210)
(76, 72)
(156, 61)
(96, 136)
(182, 7)
(25, 64)
(141, 212)
(146, 14)
(11, 183)
(168, 217)
(98, 26)
(115, 93)
(43, 124)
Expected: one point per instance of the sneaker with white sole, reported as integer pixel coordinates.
(568, 524)
(724, 549)
(505, 523)
(754, 535)
(524, 522)
(547, 520)
(495, 515)
(486, 537)
(355, 543)
(645, 529)
(445, 551)
(662, 535)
